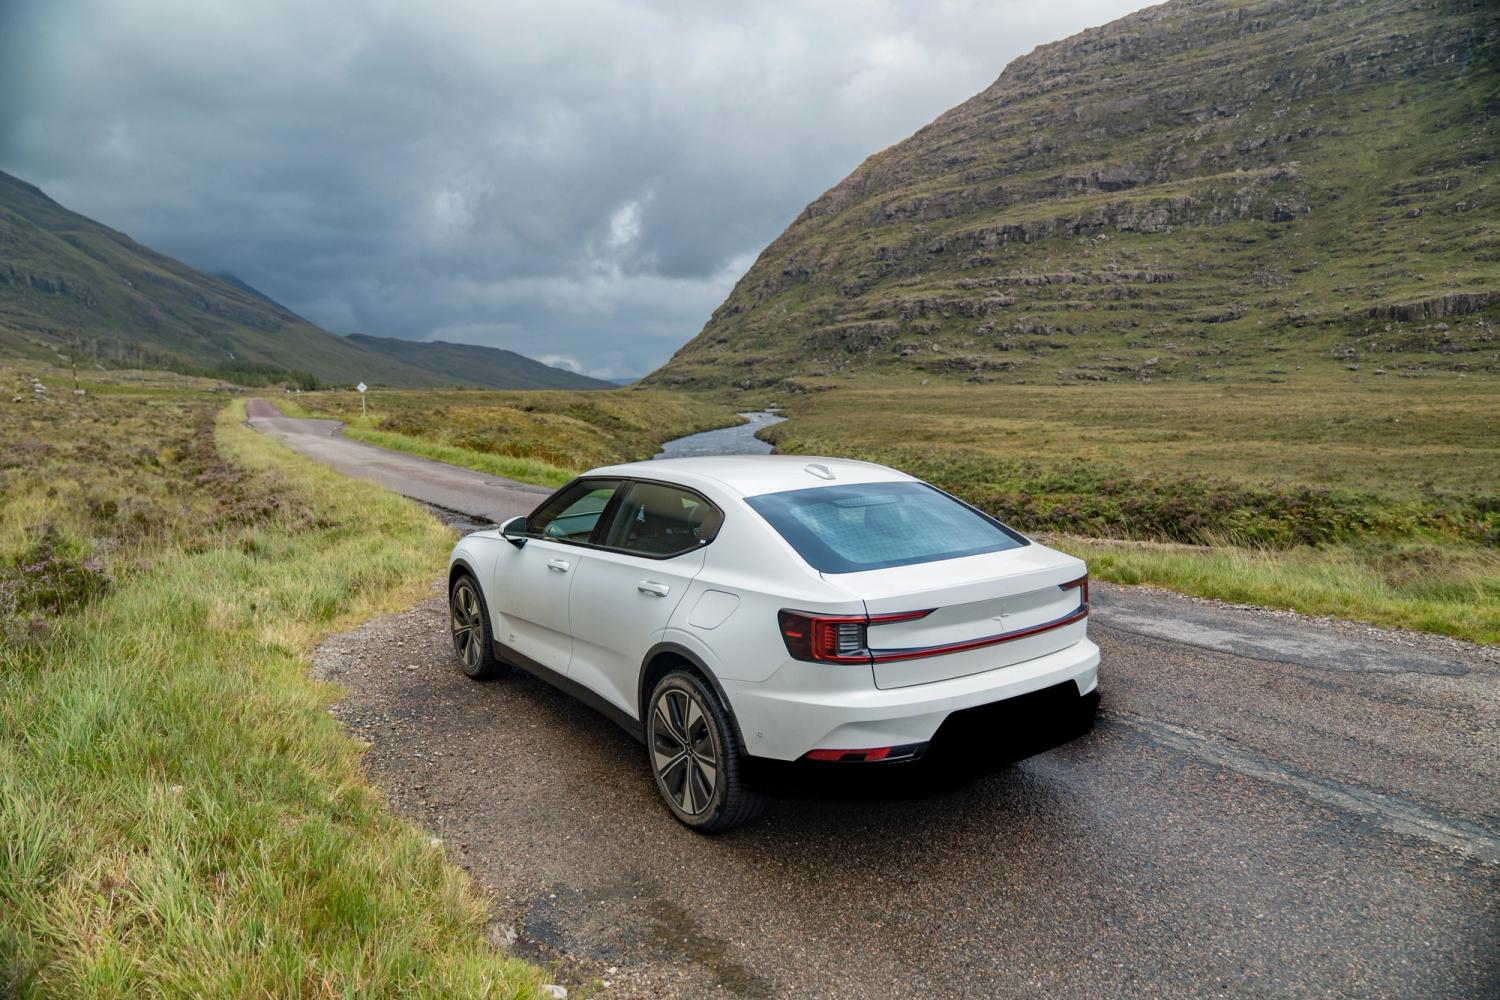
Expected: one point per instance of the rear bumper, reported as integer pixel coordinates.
(782, 719)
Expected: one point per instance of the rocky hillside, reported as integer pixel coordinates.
(1204, 189)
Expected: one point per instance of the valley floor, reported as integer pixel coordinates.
(1330, 493)
(1238, 822)
(181, 815)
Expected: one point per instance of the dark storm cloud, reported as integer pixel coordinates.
(582, 182)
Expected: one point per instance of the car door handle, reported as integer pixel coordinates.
(561, 565)
(654, 589)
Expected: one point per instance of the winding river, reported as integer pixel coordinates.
(737, 440)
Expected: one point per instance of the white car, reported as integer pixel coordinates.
(738, 609)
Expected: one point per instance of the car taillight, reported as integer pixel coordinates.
(1081, 582)
(824, 638)
(834, 638)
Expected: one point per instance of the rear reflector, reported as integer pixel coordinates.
(850, 756)
(870, 755)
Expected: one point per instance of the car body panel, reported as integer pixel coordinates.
(752, 475)
(970, 599)
(615, 621)
(755, 567)
(801, 707)
(528, 598)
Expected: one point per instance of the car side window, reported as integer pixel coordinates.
(658, 520)
(571, 515)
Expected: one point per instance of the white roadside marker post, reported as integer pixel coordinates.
(361, 387)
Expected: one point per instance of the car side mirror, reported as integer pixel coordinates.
(514, 531)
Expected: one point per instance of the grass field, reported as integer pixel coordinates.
(1373, 500)
(179, 815)
(1400, 437)
(543, 437)
(1364, 497)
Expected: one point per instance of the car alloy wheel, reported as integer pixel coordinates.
(684, 747)
(468, 620)
(467, 625)
(695, 755)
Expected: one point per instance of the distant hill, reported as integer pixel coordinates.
(1200, 188)
(129, 305)
(488, 367)
(68, 282)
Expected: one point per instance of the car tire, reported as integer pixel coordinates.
(469, 623)
(695, 756)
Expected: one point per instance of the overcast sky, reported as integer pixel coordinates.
(581, 182)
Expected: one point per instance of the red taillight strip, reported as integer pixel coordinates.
(1082, 581)
(795, 639)
(899, 616)
(917, 653)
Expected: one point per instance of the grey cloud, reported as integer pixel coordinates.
(584, 181)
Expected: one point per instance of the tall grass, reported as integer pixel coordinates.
(1447, 589)
(179, 815)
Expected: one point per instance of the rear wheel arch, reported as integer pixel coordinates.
(665, 657)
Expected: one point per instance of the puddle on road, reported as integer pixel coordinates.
(658, 929)
(462, 523)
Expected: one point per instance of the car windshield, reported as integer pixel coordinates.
(849, 529)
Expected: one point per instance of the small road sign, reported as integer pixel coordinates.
(361, 387)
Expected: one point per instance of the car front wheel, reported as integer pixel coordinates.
(695, 756)
(469, 622)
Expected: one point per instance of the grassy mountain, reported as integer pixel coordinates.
(64, 276)
(1203, 189)
(246, 287)
(470, 364)
(68, 282)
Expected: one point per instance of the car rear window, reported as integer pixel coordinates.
(849, 529)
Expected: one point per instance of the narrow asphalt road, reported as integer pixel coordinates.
(464, 491)
(1269, 806)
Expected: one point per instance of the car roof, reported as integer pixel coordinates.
(752, 475)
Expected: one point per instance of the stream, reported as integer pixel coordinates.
(737, 440)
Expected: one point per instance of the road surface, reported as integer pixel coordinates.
(1269, 806)
(480, 496)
